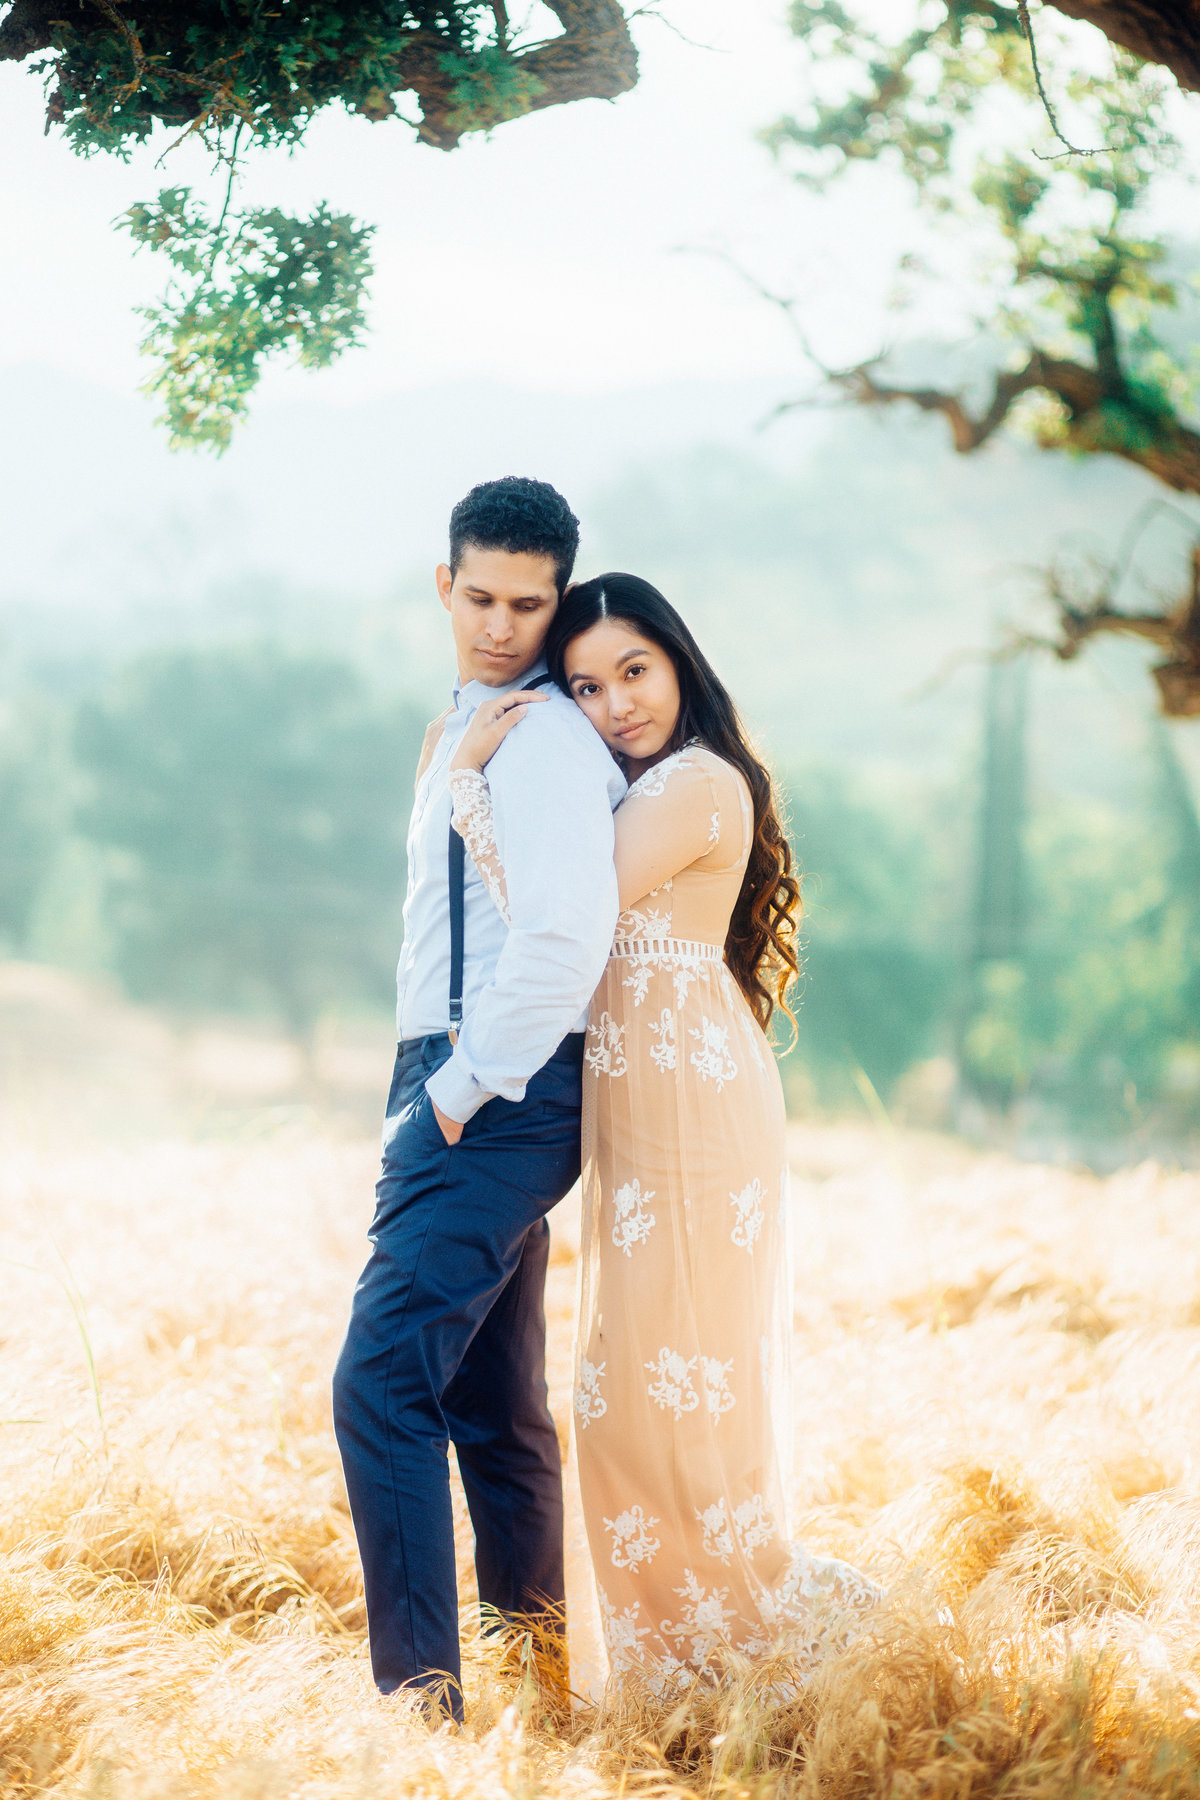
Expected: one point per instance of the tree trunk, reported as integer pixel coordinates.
(1161, 31)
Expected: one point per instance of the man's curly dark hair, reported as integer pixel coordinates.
(521, 516)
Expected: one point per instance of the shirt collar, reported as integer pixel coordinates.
(469, 694)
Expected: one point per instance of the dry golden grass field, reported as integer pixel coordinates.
(997, 1412)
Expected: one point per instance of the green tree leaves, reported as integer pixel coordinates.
(247, 75)
(1074, 278)
(246, 288)
(488, 89)
(122, 68)
(955, 107)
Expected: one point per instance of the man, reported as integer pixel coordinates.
(447, 1332)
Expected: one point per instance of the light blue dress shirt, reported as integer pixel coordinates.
(554, 786)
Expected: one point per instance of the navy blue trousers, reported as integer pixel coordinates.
(447, 1343)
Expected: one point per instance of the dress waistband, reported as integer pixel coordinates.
(678, 949)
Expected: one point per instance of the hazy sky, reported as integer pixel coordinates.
(560, 264)
(559, 253)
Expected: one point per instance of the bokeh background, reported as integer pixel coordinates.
(214, 677)
(214, 672)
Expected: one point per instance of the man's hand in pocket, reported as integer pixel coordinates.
(450, 1129)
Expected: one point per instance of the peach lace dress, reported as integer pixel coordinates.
(682, 1398)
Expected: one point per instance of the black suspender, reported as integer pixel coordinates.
(456, 873)
(455, 868)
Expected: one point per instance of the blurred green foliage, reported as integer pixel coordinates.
(1065, 252)
(35, 807)
(250, 803)
(1043, 186)
(1097, 1015)
(882, 927)
(1104, 1004)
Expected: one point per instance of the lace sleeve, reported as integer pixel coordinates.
(664, 824)
(472, 819)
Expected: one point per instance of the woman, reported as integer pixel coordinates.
(681, 1400)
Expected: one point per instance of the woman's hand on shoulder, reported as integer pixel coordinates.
(493, 721)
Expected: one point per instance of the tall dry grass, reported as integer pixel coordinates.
(997, 1410)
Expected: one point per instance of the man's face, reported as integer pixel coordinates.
(500, 605)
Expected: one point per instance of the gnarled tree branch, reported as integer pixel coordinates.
(1162, 31)
(593, 58)
(1096, 416)
(1166, 449)
(967, 432)
(1176, 630)
(28, 27)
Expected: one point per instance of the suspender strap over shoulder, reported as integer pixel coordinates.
(456, 881)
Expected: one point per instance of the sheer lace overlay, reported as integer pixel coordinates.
(682, 1403)
(472, 819)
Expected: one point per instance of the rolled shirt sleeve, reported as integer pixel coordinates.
(553, 787)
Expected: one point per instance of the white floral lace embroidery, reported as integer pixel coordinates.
(717, 1540)
(716, 1385)
(662, 1053)
(748, 1205)
(714, 831)
(633, 1541)
(635, 924)
(822, 1600)
(652, 783)
(705, 1617)
(668, 1676)
(673, 1388)
(685, 974)
(622, 1632)
(605, 1053)
(753, 1523)
(712, 1061)
(589, 1401)
(633, 1223)
(641, 964)
(638, 978)
(472, 819)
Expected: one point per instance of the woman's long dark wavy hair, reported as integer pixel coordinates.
(761, 948)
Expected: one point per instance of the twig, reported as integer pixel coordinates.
(653, 12)
(1026, 26)
(135, 50)
(217, 235)
(786, 303)
(196, 127)
(1119, 567)
(961, 659)
(807, 402)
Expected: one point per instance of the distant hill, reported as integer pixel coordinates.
(834, 565)
(94, 507)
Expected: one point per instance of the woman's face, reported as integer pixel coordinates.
(627, 686)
